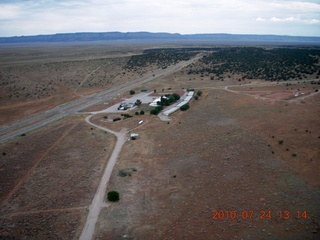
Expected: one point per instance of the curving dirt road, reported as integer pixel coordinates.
(98, 200)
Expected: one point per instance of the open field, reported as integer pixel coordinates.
(48, 179)
(250, 146)
(220, 154)
(46, 82)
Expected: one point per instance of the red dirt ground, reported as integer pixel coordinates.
(48, 179)
(220, 155)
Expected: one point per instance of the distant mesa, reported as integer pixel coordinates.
(163, 37)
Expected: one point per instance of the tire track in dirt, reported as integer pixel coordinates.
(37, 163)
(44, 211)
(75, 91)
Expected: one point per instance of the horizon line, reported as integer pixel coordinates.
(176, 33)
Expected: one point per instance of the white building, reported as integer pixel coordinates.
(155, 102)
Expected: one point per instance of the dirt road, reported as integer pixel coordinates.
(98, 200)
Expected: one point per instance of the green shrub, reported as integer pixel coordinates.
(138, 102)
(132, 92)
(113, 196)
(175, 96)
(154, 112)
(141, 112)
(185, 107)
(126, 172)
(126, 115)
(199, 93)
(116, 119)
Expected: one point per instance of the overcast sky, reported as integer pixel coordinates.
(282, 17)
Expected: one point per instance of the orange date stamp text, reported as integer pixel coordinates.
(262, 214)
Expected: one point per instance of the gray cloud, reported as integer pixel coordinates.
(189, 16)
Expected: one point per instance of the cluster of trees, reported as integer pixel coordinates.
(168, 99)
(160, 57)
(165, 101)
(139, 113)
(156, 110)
(259, 63)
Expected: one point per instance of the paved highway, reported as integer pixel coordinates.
(64, 110)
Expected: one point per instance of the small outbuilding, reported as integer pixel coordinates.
(134, 136)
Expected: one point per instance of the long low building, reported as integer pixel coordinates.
(155, 101)
(185, 101)
(171, 110)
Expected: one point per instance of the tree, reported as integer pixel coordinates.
(156, 110)
(199, 93)
(113, 196)
(185, 107)
(176, 96)
(171, 99)
(141, 112)
(132, 92)
(138, 102)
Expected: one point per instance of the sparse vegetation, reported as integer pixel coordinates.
(218, 143)
(160, 57)
(258, 63)
(126, 172)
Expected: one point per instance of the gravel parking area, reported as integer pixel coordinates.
(143, 97)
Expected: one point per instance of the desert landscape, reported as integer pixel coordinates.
(241, 163)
